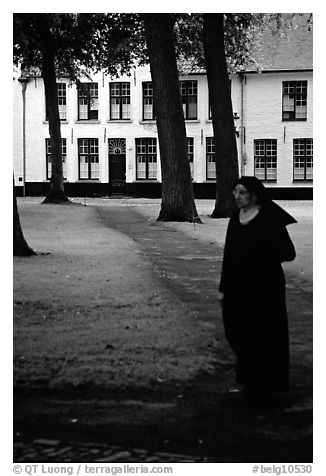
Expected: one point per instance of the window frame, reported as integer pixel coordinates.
(120, 97)
(212, 140)
(48, 156)
(186, 96)
(89, 156)
(295, 83)
(144, 83)
(265, 157)
(305, 157)
(89, 98)
(146, 155)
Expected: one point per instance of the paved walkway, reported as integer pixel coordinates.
(56, 451)
(188, 267)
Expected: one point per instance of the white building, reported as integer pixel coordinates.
(110, 142)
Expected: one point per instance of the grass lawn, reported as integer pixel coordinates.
(89, 312)
(118, 335)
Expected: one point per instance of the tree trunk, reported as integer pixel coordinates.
(178, 202)
(227, 167)
(21, 248)
(56, 193)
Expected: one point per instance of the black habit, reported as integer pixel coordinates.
(254, 308)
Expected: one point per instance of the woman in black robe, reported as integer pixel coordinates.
(252, 289)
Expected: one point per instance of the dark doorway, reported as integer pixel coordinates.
(117, 166)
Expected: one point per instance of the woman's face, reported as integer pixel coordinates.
(242, 197)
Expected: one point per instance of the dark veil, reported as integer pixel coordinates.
(255, 186)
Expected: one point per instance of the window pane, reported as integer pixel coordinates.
(141, 146)
(183, 88)
(62, 112)
(309, 169)
(83, 166)
(152, 167)
(61, 89)
(210, 145)
(288, 103)
(301, 112)
(95, 167)
(141, 167)
(192, 107)
(151, 146)
(94, 104)
(83, 146)
(125, 89)
(211, 168)
(115, 89)
(148, 108)
(192, 88)
(309, 147)
(93, 143)
(148, 89)
(115, 108)
(125, 108)
(271, 171)
(93, 90)
(83, 108)
(260, 168)
(259, 148)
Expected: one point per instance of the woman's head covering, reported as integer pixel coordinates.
(255, 186)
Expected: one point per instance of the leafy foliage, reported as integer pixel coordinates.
(82, 43)
(114, 42)
(241, 31)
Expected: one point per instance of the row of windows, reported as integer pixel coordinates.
(265, 158)
(120, 104)
(294, 100)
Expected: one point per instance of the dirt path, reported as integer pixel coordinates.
(183, 412)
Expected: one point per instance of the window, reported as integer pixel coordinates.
(302, 159)
(62, 102)
(265, 156)
(190, 148)
(148, 104)
(88, 159)
(189, 98)
(210, 159)
(49, 158)
(120, 101)
(294, 101)
(87, 101)
(146, 159)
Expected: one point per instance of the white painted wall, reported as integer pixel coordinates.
(262, 120)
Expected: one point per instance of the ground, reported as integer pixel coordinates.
(119, 343)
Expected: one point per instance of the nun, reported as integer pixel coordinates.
(252, 289)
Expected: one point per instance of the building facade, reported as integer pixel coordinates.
(110, 143)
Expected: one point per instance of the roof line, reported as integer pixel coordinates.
(263, 71)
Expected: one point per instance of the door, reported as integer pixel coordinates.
(117, 166)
